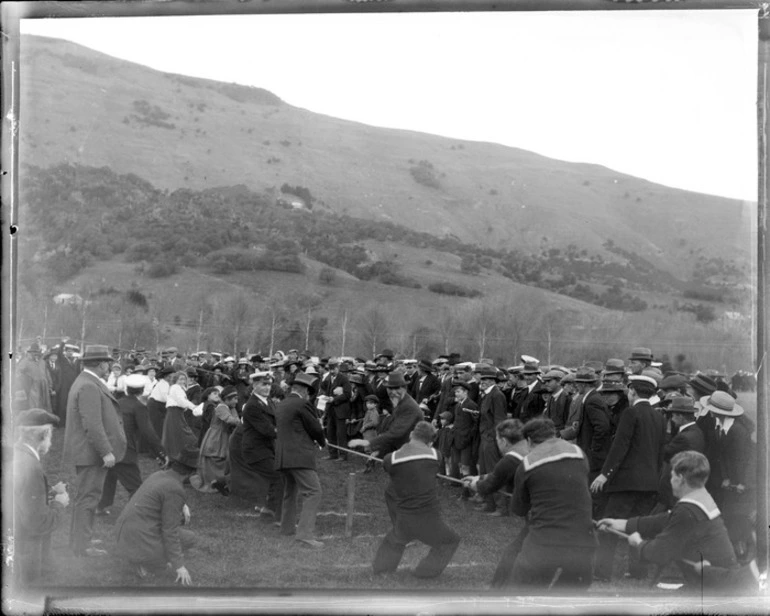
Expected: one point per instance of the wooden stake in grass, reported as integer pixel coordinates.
(351, 504)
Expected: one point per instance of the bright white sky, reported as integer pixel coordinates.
(669, 96)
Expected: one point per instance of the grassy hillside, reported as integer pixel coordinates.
(85, 107)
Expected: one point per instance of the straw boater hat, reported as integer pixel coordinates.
(721, 403)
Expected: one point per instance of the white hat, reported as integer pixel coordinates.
(136, 381)
(261, 375)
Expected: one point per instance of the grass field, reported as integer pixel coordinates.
(237, 550)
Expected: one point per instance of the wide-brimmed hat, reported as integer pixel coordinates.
(96, 352)
(356, 378)
(642, 378)
(395, 379)
(703, 384)
(641, 353)
(208, 391)
(229, 391)
(308, 380)
(586, 374)
(531, 367)
(35, 417)
(681, 404)
(721, 403)
(164, 372)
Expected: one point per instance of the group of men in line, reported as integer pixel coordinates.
(619, 433)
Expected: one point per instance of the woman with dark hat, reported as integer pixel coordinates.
(212, 463)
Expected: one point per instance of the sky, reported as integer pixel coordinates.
(669, 96)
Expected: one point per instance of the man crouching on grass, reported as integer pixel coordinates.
(148, 529)
(412, 501)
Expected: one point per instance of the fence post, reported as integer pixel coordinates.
(351, 504)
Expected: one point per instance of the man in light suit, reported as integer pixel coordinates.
(94, 441)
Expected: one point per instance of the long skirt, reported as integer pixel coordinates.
(178, 437)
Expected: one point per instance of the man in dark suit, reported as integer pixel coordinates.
(426, 388)
(558, 401)
(631, 470)
(338, 410)
(68, 372)
(689, 437)
(531, 403)
(257, 450)
(406, 414)
(593, 431)
(35, 514)
(299, 434)
(492, 411)
(136, 425)
(94, 441)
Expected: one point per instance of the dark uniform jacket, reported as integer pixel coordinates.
(551, 485)
(147, 529)
(692, 530)
(446, 399)
(636, 454)
(503, 474)
(94, 427)
(412, 469)
(299, 434)
(136, 424)
(689, 439)
(258, 431)
(492, 411)
(404, 419)
(593, 434)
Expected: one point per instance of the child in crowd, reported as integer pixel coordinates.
(444, 440)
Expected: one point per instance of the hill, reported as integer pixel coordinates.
(177, 131)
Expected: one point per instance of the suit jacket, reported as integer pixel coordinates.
(94, 427)
(446, 399)
(557, 411)
(531, 404)
(136, 423)
(593, 433)
(466, 422)
(636, 454)
(68, 372)
(259, 431)
(431, 386)
(405, 417)
(492, 410)
(689, 439)
(339, 404)
(33, 517)
(574, 415)
(299, 434)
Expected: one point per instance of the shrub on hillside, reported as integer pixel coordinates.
(327, 276)
(450, 288)
(162, 269)
(424, 173)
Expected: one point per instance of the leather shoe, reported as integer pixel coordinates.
(311, 543)
(220, 485)
(93, 552)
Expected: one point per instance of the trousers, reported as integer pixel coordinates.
(88, 491)
(302, 482)
(129, 476)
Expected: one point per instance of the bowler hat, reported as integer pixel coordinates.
(614, 366)
(96, 352)
(36, 417)
(387, 353)
(585, 374)
(395, 379)
(673, 381)
(721, 403)
(424, 364)
(703, 384)
(681, 404)
(486, 372)
(308, 380)
(641, 353)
